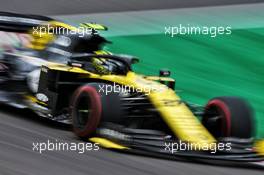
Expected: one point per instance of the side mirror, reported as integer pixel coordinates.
(164, 73)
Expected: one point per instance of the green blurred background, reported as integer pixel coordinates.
(205, 67)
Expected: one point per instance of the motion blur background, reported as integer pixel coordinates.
(204, 67)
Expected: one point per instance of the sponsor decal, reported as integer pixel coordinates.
(42, 97)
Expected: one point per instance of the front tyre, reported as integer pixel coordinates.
(91, 106)
(86, 111)
(229, 117)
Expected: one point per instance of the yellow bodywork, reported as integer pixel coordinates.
(107, 143)
(177, 115)
(46, 33)
(155, 78)
(93, 26)
(259, 146)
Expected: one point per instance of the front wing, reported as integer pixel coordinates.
(157, 144)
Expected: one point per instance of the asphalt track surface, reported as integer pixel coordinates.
(58, 7)
(19, 129)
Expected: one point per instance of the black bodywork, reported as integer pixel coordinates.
(134, 129)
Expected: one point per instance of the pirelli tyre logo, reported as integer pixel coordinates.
(42, 97)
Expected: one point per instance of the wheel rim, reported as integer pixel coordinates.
(217, 119)
(83, 111)
(214, 122)
(86, 111)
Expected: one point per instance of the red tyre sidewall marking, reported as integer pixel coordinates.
(96, 106)
(224, 108)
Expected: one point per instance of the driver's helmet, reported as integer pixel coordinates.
(101, 65)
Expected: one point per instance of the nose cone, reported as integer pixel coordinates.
(260, 147)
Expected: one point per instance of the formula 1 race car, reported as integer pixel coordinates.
(68, 78)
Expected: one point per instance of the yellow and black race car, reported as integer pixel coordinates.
(70, 78)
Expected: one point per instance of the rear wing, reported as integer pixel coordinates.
(20, 23)
(94, 26)
(41, 29)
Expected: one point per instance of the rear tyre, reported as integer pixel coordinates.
(91, 106)
(229, 117)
